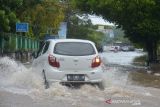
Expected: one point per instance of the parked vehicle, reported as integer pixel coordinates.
(112, 48)
(115, 48)
(127, 48)
(69, 61)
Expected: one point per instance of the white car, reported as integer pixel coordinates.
(69, 61)
(125, 48)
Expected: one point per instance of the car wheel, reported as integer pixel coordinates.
(46, 84)
(101, 85)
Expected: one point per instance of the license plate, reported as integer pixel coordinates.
(75, 77)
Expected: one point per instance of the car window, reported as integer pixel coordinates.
(46, 47)
(74, 49)
(40, 49)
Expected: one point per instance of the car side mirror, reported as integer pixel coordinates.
(34, 55)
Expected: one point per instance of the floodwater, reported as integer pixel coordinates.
(22, 87)
(120, 58)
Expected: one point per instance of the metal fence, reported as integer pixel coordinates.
(13, 42)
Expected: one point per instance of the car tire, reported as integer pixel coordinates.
(46, 83)
(101, 85)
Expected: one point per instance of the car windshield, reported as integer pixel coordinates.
(74, 49)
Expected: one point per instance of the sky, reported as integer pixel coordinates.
(99, 20)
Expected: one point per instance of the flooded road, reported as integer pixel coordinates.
(22, 87)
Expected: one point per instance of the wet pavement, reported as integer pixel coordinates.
(22, 87)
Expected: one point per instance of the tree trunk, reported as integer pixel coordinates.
(151, 47)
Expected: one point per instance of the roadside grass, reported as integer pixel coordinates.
(140, 60)
(144, 79)
(141, 77)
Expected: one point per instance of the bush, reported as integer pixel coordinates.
(140, 60)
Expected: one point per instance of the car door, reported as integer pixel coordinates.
(36, 63)
(44, 56)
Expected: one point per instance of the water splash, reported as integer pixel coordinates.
(15, 78)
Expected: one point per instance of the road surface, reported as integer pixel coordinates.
(21, 87)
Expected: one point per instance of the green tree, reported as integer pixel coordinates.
(4, 23)
(120, 36)
(8, 14)
(140, 19)
(82, 28)
(43, 16)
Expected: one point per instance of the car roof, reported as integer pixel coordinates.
(70, 40)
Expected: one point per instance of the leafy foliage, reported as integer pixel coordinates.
(140, 19)
(82, 28)
(8, 15)
(43, 16)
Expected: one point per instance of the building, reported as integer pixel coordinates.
(106, 30)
